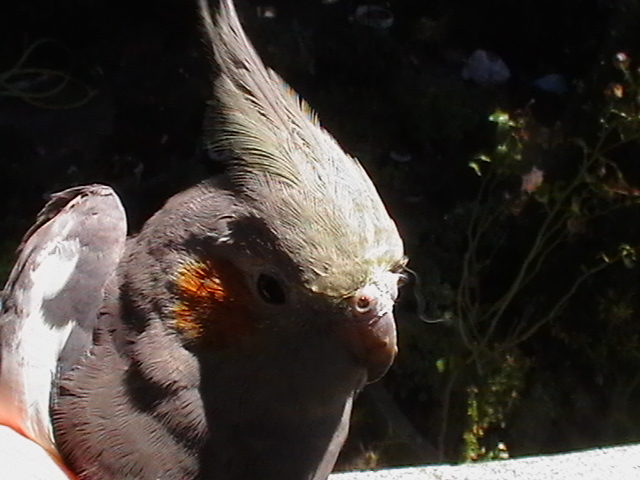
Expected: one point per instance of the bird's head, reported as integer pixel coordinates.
(330, 241)
(300, 240)
(251, 276)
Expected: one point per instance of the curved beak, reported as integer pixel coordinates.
(373, 343)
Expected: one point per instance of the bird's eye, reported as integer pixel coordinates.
(270, 289)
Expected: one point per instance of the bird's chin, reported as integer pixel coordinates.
(372, 342)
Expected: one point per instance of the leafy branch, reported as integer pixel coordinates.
(514, 183)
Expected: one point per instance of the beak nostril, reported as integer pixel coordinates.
(363, 304)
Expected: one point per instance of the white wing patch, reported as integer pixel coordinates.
(56, 263)
(31, 359)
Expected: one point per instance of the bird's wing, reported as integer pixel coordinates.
(51, 301)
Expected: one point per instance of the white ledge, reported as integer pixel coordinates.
(612, 463)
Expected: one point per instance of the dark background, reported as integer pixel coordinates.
(130, 111)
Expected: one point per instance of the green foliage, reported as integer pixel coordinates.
(559, 206)
(524, 256)
(489, 406)
(556, 209)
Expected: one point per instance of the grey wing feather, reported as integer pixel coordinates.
(52, 299)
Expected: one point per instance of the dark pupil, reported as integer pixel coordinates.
(270, 289)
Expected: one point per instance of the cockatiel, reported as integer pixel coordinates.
(227, 340)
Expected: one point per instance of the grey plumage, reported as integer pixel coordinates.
(273, 404)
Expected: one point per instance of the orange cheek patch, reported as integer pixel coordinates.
(212, 303)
